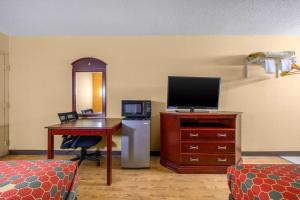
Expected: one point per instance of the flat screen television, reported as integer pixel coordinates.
(193, 92)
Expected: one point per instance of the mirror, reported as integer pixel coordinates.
(89, 83)
(89, 92)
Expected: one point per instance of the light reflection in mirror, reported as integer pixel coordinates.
(89, 91)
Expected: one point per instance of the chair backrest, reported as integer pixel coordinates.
(63, 117)
(87, 111)
(72, 116)
(67, 139)
(68, 116)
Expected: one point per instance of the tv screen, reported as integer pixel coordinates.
(193, 92)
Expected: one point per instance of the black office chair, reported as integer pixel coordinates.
(87, 111)
(85, 142)
(67, 140)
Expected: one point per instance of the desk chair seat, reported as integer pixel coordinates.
(68, 141)
(84, 142)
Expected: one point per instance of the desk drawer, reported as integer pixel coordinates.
(205, 147)
(194, 159)
(207, 134)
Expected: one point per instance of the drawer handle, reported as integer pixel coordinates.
(222, 147)
(222, 135)
(194, 159)
(194, 134)
(222, 159)
(194, 147)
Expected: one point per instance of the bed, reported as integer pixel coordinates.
(38, 179)
(264, 182)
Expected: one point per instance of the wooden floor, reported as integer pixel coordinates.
(157, 183)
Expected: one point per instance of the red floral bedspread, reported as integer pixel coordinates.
(264, 182)
(38, 179)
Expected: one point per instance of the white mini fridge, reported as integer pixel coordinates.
(135, 143)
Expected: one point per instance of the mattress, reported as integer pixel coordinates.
(38, 179)
(264, 182)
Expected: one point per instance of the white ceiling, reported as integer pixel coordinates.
(150, 17)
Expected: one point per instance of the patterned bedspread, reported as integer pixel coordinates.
(264, 182)
(38, 179)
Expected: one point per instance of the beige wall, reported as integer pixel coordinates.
(4, 41)
(4, 94)
(138, 68)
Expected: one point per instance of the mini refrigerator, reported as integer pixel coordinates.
(135, 143)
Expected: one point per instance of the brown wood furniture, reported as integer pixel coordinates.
(89, 65)
(88, 126)
(200, 142)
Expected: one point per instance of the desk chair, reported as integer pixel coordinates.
(87, 111)
(84, 142)
(67, 140)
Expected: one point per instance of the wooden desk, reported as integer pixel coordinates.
(91, 127)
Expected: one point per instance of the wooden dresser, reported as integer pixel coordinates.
(200, 142)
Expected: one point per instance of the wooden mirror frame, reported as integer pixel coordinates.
(89, 64)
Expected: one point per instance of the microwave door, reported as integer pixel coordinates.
(133, 109)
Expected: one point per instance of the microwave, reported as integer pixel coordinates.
(136, 108)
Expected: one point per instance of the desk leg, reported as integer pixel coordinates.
(109, 159)
(50, 145)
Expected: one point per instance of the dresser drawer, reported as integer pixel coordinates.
(207, 147)
(207, 134)
(222, 159)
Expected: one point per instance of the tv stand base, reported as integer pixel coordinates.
(200, 142)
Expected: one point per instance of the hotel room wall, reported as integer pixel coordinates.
(137, 68)
(4, 42)
(4, 94)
